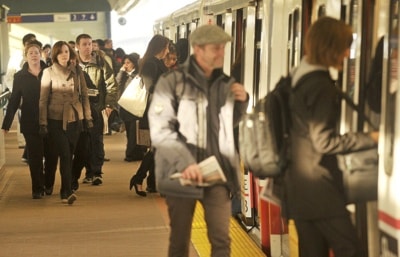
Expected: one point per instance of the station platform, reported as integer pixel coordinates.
(105, 221)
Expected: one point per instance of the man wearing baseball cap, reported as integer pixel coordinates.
(192, 117)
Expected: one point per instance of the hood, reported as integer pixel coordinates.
(303, 68)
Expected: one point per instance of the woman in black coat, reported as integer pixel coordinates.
(25, 95)
(151, 67)
(314, 194)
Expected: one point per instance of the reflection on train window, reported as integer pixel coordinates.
(391, 89)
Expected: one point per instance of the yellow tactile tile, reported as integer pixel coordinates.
(242, 244)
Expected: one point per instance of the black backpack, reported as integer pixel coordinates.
(264, 133)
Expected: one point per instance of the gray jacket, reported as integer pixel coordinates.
(183, 128)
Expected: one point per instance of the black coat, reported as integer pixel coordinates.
(313, 182)
(26, 87)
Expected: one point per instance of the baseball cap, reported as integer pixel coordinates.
(209, 34)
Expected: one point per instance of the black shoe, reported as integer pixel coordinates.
(151, 190)
(128, 159)
(48, 190)
(135, 185)
(37, 195)
(106, 159)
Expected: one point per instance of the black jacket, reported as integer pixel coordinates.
(26, 87)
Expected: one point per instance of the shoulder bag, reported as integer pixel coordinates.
(134, 98)
(360, 169)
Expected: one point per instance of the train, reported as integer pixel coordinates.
(267, 40)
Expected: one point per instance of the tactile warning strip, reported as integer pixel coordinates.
(242, 244)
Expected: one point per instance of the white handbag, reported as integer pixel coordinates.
(134, 99)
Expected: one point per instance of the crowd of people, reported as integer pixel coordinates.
(192, 111)
(66, 99)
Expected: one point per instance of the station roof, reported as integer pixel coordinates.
(56, 6)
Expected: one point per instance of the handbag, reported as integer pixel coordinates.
(134, 98)
(142, 135)
(360, 168)
(360, 175)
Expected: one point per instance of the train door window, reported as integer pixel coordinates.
(350, 78)
(219, 20)
(390, 115)
(257, 54)
(294, 39)
(321, 11)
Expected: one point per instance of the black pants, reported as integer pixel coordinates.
(147, 165)
(316, 237)
(42, 173)
(64, 142)
(82, 157)
(133, 151)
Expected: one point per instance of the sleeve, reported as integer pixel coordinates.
(13, 103)
(85, 97)
(45, 88)
(322, 124)
(149, 75)
(111, 85)
(164, 125)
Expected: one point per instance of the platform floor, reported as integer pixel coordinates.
(105, 221)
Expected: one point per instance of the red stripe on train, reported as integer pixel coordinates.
(388, 219)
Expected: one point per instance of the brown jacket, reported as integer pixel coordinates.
(63, 95)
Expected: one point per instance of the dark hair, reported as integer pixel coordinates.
(134, 58)
(28, 37)
(156, 45)
(119, 52)
(46, 46)
(71, 42)
(101, 43)
(57, 50)
(81, 36)
(182, 49)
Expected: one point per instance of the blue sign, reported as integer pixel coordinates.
(84, 16)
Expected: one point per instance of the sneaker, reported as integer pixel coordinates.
(87, 180)
(64, 200)
(71, 199)
(97, 180)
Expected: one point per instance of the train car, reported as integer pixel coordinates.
(268, 42)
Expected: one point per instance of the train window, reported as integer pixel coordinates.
(321, 11)
(390, 93)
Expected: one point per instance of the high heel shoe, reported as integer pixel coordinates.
(133, 183)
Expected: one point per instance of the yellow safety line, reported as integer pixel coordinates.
(242, 244)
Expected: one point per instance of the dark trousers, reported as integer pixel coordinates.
(133, 151)
(96, 147)
(34, 146)
(50, 162)
(82, 156)
(147, 165)
(316, 237)
(64, 142)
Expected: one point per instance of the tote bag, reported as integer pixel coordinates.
(134, 98)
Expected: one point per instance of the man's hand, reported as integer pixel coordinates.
(239, 92)
(193, 172)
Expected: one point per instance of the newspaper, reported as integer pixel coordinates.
(211, 171)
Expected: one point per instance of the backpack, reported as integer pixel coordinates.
(264, 133)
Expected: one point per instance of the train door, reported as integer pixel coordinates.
(389, 179)
(357, 14)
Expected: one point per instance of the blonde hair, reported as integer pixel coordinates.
(327, 40)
